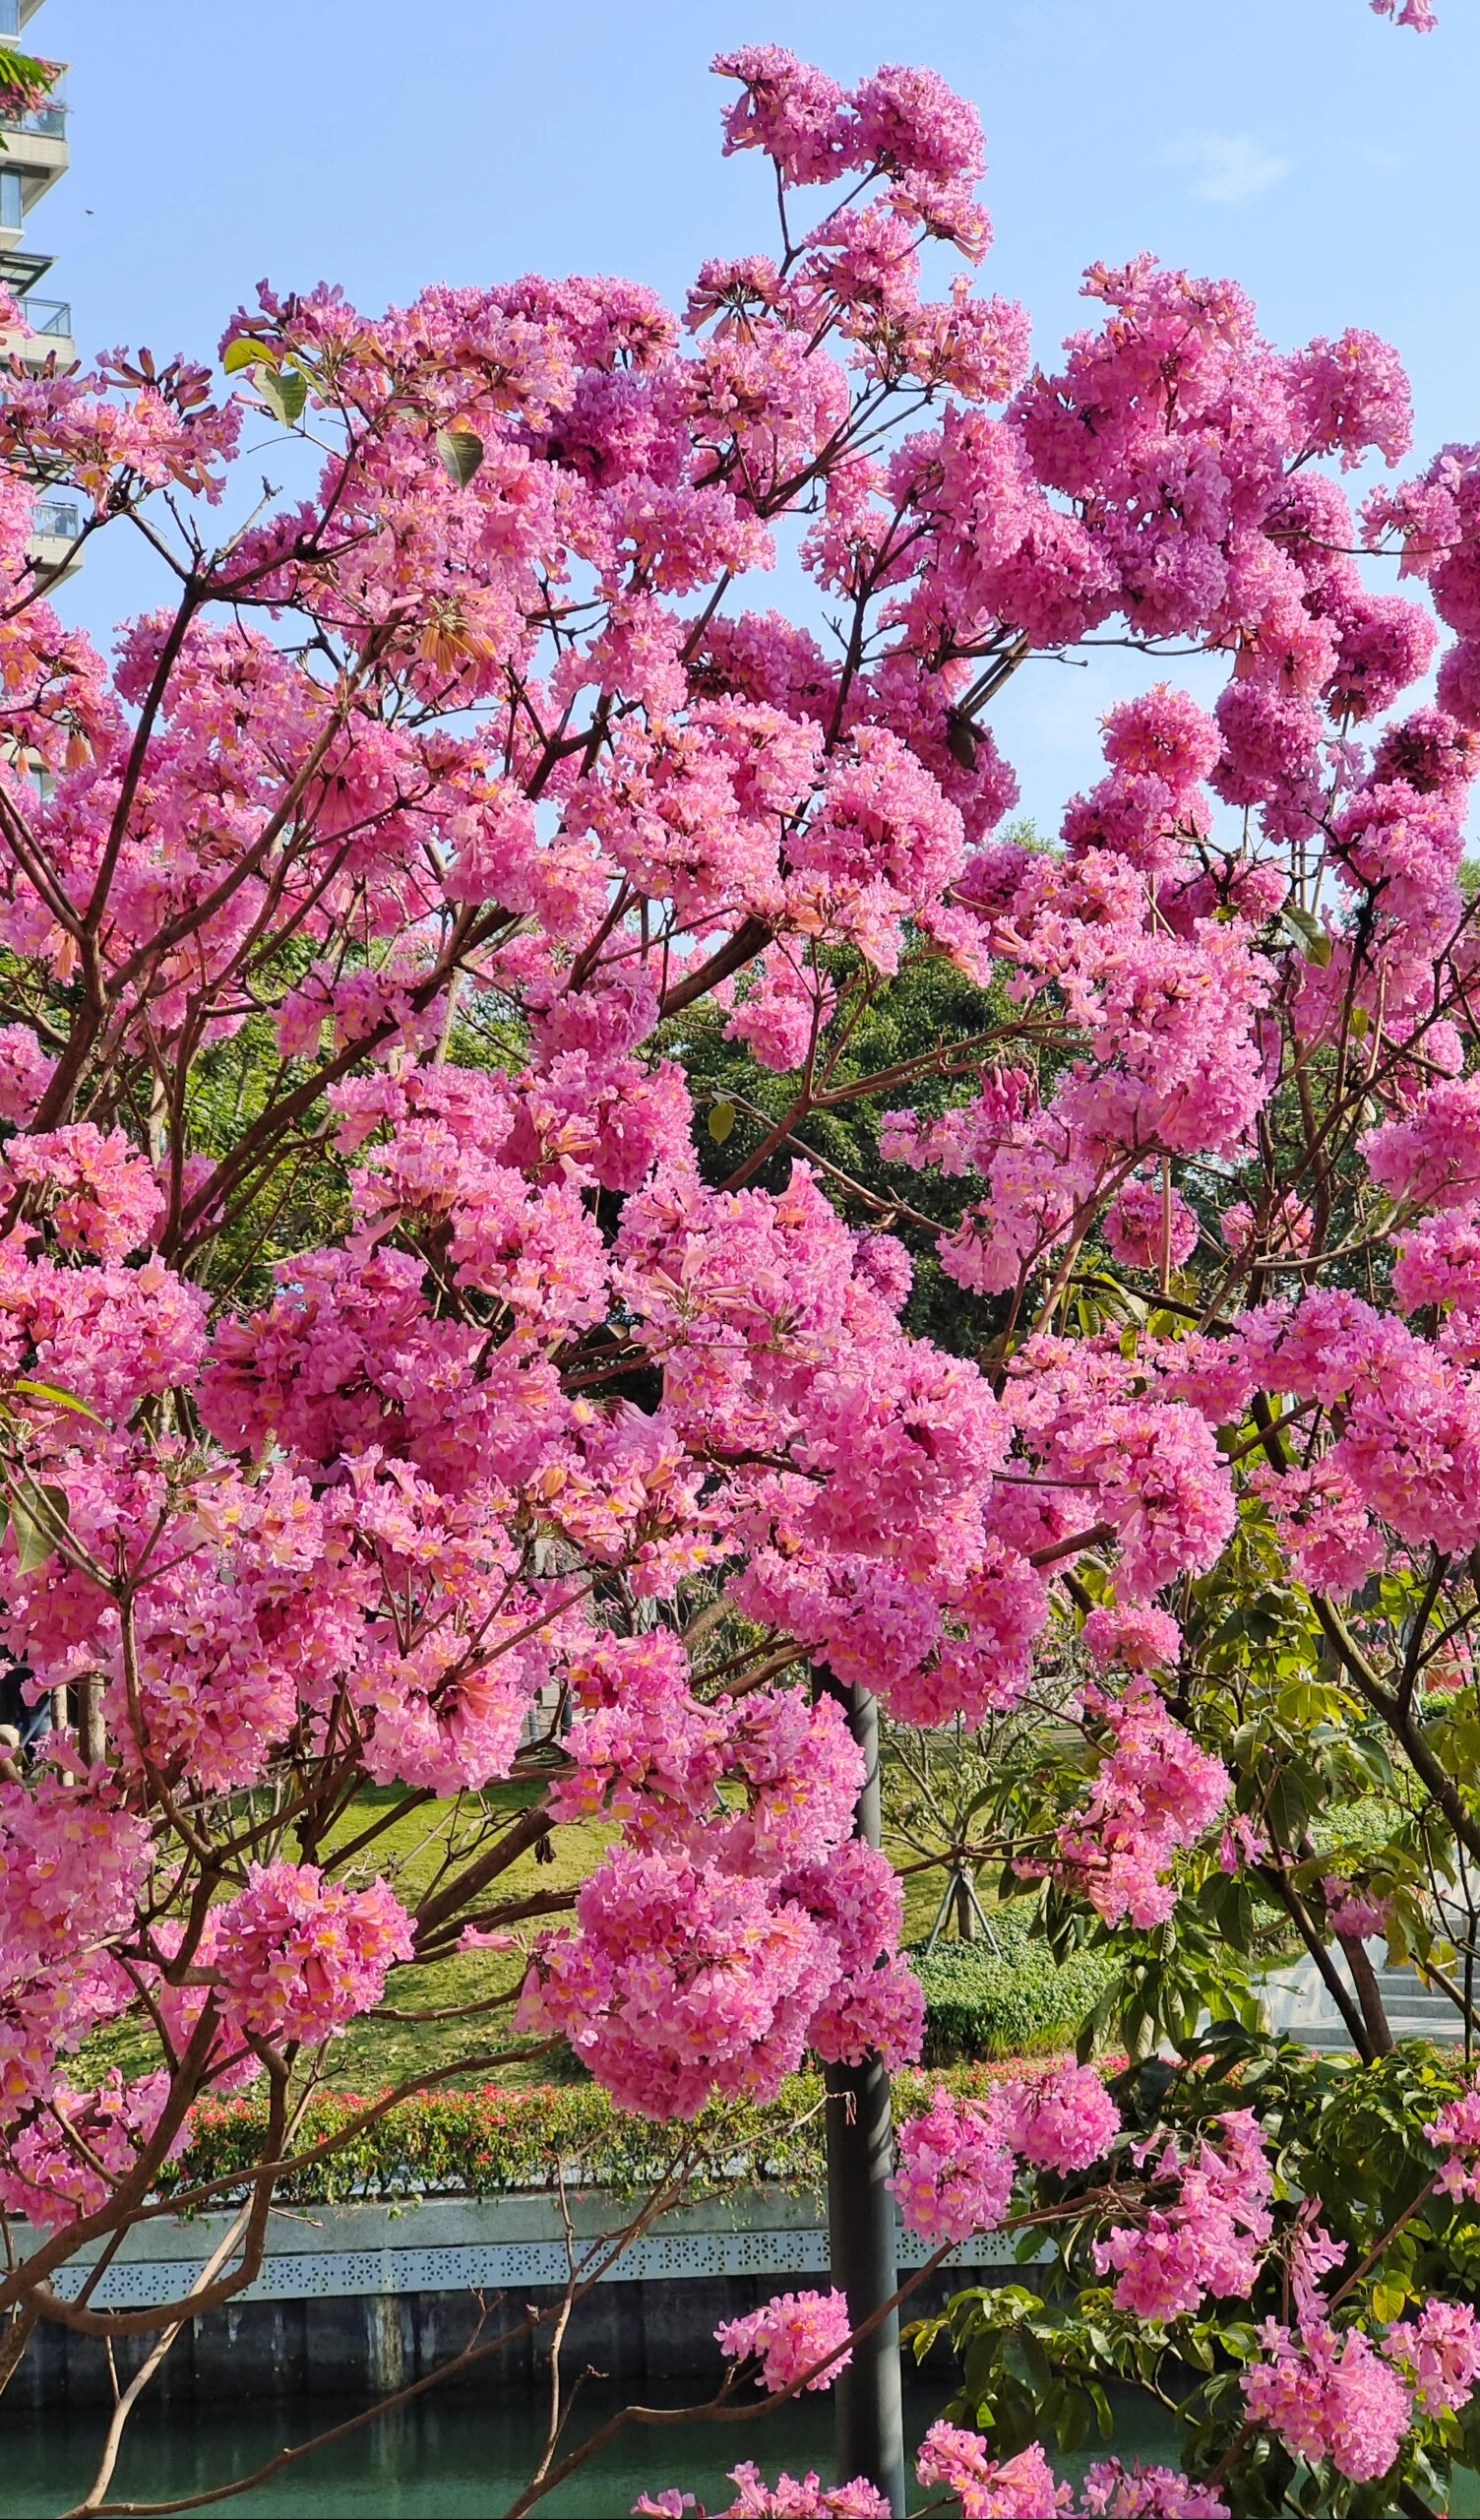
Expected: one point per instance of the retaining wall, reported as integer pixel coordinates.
(357, 2300)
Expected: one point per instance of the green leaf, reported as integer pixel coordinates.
(284, 395)
(722, 1121)
(462, 451)
(58, 1399)
(1387, 2300)
(35, 1513)
(245, 351)
(1073, 2421)
(1308, 931)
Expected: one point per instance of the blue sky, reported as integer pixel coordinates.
(1319, 156)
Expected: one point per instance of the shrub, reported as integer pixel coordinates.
(482, 2143)
(1012, 2002)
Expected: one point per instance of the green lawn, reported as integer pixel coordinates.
(408, 1851)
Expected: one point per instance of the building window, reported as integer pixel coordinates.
(11, 215)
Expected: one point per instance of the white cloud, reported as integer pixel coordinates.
(1229, 167)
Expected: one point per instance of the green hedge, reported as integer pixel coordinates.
(480, 2143)
(1015, 2003)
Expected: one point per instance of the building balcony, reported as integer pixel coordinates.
(16, 15)
(35, 151)
(35, 154)
(54, 532)
(50, 335)
(46, 121)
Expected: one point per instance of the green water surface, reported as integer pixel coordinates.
(440, 2459)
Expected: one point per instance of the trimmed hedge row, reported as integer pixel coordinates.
(480, 2143)
(1015, 2002)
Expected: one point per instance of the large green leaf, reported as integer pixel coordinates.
(37, 1515)
(58, 1399)
(284, 394)
(462, 451)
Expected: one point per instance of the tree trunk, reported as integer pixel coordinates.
(91, 1740)
(1368, 1994)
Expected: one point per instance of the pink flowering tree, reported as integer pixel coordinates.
(428, 1393)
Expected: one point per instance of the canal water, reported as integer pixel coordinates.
(438, 2460)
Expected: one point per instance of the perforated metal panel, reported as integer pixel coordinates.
(291, 2274)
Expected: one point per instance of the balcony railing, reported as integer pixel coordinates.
(48, 315)
(58, 520)
(49, 120)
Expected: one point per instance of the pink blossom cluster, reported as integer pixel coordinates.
(1456, 2132)
(1330, 2396)
(1115, 2492)
(1157, 1793)
(1139, 1638)
(1352, 1913)
(1025, 2487)
(1208, 2239)
(1439, 2355)
(789, 2498)
(66, 2157)
(791, 2336)
(1411, 13)
(74, 1862)
(1056, 2118)
(956, 2172)
(290, 1957)
(906, 121)
(1411, 1422)
(957, 2164)
(1150, 1228)
(1022, 2488)
(738, 1921)
(298, 1957)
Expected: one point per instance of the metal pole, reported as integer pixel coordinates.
(861, 2210)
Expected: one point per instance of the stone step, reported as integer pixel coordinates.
(1297, 2001)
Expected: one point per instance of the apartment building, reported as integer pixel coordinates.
(35, 157)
